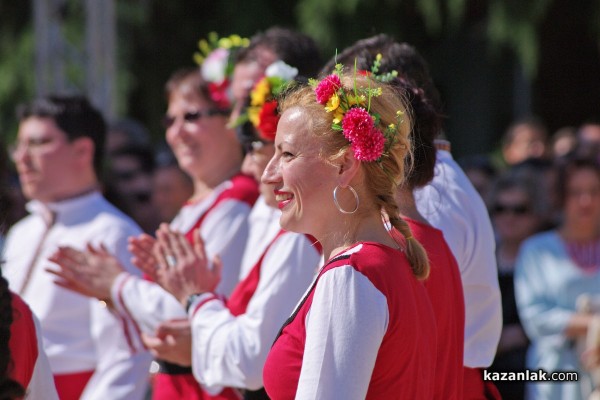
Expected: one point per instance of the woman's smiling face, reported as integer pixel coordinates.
(300, 177)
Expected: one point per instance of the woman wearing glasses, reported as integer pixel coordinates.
(209, 152)
(518, 206)
(554, 271)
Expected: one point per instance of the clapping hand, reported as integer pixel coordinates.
(172, 342)
(90, 272)
(183, 268)
(142, 249)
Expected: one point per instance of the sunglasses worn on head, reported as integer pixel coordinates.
(517, 209)
(193, 116)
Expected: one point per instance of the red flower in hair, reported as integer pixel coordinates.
(327, 87)
(218, 94)
(268, 119)
(367, 141)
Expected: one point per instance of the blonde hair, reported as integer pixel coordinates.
(382, 177)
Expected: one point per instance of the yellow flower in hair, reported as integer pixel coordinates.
(333, 103)
(392, 126)
(253, 113)
(260, 92)
(203, 46)
(338, 116)
(225, 43)
(357, 100)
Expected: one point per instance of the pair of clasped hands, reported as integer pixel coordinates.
(170, 260)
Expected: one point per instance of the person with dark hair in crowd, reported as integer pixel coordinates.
(519, 209)
(555, 272)
(126, 132)
(58, 155)
(450, 203)
(588, 133)
(128, 184)
(171, 186)
(209, 152)
(481, 173)
(525, 138)
(265, 48)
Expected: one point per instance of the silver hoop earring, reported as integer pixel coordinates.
(335, 200)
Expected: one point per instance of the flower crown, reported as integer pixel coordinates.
(215, 58)
(262, 111)
(352, 113)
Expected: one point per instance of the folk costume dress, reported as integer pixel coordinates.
(94, 353)
(446, 294)
(451, 204)
(29, 365)
(231, 338)
(222, 219)
(365, 329)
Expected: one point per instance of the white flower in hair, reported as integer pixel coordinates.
(215, 65)
(281, 70)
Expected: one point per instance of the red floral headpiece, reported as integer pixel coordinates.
(262, 111)
(353, 117)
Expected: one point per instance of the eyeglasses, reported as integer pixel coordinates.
(516, 209)
(193, 116)
(31, 146)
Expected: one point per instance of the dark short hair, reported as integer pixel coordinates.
(75, 116)
(568, 166)
(401, 57)
(292, 47)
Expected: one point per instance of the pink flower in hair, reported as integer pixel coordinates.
(367, 141)
(327, 87)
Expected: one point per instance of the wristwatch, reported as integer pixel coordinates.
(190, 300)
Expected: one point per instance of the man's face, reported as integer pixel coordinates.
(46, 161)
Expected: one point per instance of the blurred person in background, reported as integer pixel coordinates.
(553, 271)
(128, 184)
(58, 155)
(171, 186)
(545, 173)
(589, 132)
(481, 173)
(126, 132)
(128, 172)
(525, 138)
(450, 203)
(518, 206)
(563, 142)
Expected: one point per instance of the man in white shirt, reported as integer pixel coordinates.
(93, 352)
